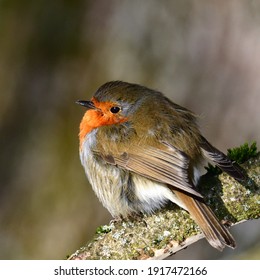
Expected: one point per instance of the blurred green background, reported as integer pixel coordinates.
(204, 55)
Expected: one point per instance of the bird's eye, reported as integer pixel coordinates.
(115, 109)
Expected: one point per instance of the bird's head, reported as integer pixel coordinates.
(113, 103)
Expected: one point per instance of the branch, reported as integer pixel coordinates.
(159, 235)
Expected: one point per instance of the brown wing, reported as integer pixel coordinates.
(167, 165)
(222, 161)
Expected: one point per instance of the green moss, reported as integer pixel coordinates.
(243, 153)
(103, 229)
(214, 170)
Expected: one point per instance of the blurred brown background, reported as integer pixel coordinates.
(204, 55)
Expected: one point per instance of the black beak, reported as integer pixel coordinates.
(87, 104)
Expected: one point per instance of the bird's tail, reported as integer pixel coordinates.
(217, 235)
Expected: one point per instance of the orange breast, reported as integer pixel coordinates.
(99, 117)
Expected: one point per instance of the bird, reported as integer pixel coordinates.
(141, 151)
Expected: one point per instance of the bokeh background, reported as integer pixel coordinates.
(204, 55)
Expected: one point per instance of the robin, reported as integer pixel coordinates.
(140, 151)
